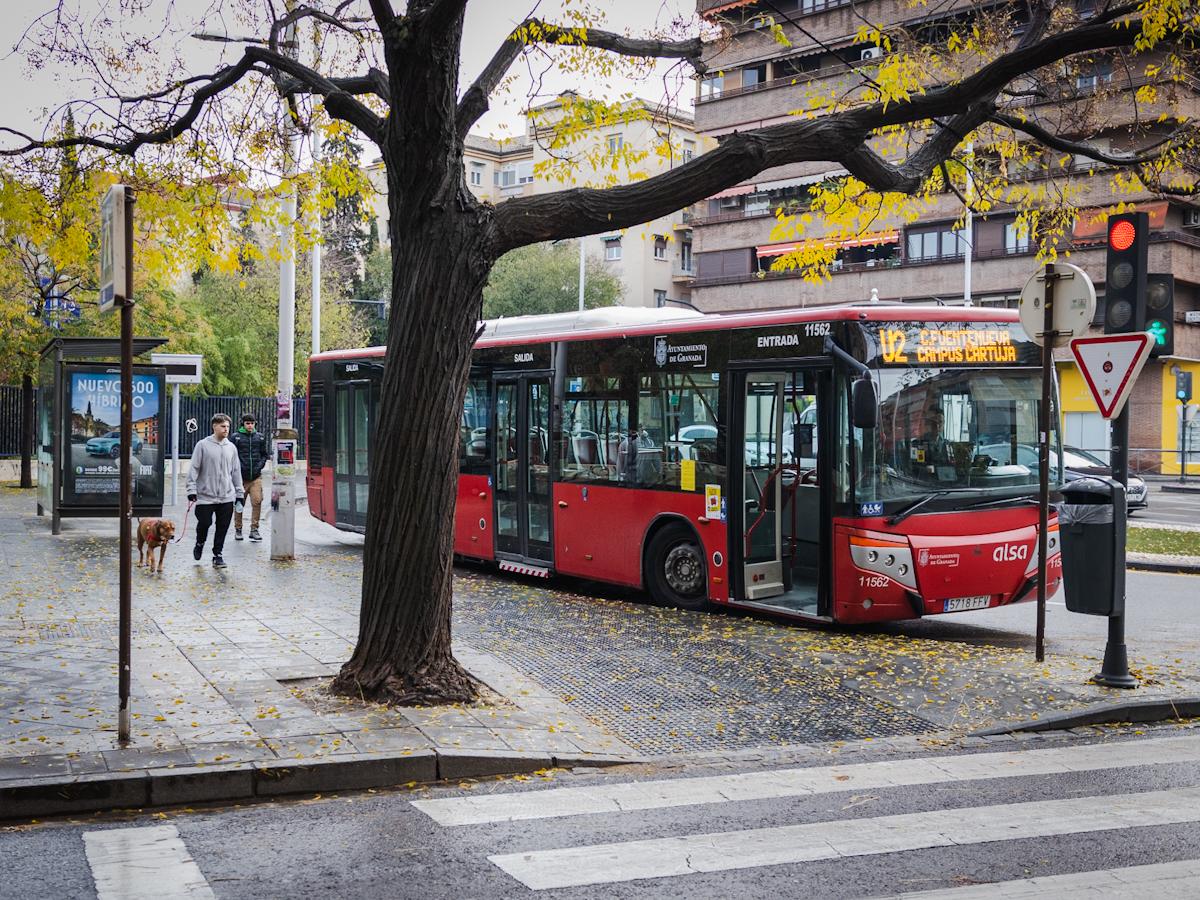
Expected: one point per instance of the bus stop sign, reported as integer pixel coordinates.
(1110, 365)
(1074, 304)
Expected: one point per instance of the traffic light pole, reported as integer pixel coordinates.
(1114, 672)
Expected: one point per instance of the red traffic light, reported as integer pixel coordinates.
(1122, 234)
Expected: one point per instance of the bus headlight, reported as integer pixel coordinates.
(895, 563)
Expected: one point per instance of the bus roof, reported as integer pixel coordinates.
(627, 322)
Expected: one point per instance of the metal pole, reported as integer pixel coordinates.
(283, 510)
(582, 259)
(174, 444)
(124, 651)
(316, 254)
(970, 239)
(1183, 441)
(1114, 672)
(1048, 335)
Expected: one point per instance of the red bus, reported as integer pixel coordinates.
(738, 459)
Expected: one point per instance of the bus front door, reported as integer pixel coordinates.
(780, 495)
(522, 474)
(352, 442)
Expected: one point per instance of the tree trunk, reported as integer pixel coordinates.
(403, 654)
(27, 431)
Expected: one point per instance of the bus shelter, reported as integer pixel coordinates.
(78, 429)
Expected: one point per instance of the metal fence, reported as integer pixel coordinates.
(194, 414)
(10, 420)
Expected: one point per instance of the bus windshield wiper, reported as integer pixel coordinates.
(1005, 501)
(897, 517)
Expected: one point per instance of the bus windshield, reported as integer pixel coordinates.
(953, 430)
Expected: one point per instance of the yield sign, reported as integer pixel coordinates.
(1110, 365)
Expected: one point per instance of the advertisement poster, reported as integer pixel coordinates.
(92, 469)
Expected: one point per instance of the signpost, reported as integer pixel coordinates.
(1110, 365)
(116, 288)
(182, 368)
(1056, 305)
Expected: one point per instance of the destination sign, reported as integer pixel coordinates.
(949, 344)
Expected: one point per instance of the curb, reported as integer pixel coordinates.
(1147, 563)
(1178, 489)
(1135, 711)
(39, 797)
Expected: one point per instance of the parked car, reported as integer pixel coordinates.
(1079, 464)
(110, 445)
(1076, 464)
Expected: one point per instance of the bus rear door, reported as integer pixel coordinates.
(522, 472)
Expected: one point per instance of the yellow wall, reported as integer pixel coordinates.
(1074, 395)
(1170, 417)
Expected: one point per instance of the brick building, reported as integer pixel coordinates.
(755, 81)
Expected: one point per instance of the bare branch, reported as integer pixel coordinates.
(337, 101)
(531, 32)
(374, 82)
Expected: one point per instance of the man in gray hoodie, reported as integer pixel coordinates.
(214, 484)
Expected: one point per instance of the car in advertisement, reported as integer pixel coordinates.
(110, 445)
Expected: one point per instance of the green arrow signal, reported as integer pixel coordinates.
(1159, 330)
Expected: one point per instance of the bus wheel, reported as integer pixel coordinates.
(676, 574)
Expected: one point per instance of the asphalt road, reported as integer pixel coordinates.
(1167, 508)
(775, 832)
(1162, 622)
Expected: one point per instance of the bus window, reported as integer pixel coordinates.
(677, 423)
(593, 428)
(473, 429)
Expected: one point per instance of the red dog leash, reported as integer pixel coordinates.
(187, 515)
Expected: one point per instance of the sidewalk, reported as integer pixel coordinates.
(228, 669)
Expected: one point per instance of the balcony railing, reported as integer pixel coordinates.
(896, 262)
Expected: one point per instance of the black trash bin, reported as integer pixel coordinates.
(1091, 526)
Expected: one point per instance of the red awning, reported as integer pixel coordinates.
(870, 239)
(736, 191)
(723, 7)
(1092, 223)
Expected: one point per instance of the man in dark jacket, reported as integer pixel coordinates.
(252, 453)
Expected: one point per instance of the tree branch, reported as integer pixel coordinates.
(1120, 160)
(337, 101)
(837, 137)
(474, 102)
(384, 14)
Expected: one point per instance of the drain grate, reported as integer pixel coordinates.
(666, 685)
(52, 631)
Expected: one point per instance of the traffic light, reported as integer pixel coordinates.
(1183, 386)
(1125, 273)
(1160, 313)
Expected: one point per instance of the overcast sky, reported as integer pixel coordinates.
(30, 92)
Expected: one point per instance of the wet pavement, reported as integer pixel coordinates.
(230, 666)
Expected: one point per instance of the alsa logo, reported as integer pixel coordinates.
(1010, 552)
(778, 340)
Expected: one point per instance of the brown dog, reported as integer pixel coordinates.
(154, 533)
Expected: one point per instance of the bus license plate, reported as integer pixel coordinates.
(958, 604)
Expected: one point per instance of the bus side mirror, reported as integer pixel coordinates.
(864, 403)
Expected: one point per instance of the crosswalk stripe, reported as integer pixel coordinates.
(768, 785)
(723, 851)
(1164, 881)
(148, 863)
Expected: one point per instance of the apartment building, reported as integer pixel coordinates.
(756, 81)
(654, 260)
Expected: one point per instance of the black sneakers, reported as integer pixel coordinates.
(197, 552)
(218, 562)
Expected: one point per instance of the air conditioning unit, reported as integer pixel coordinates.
(872, 53)
(1191, 218)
